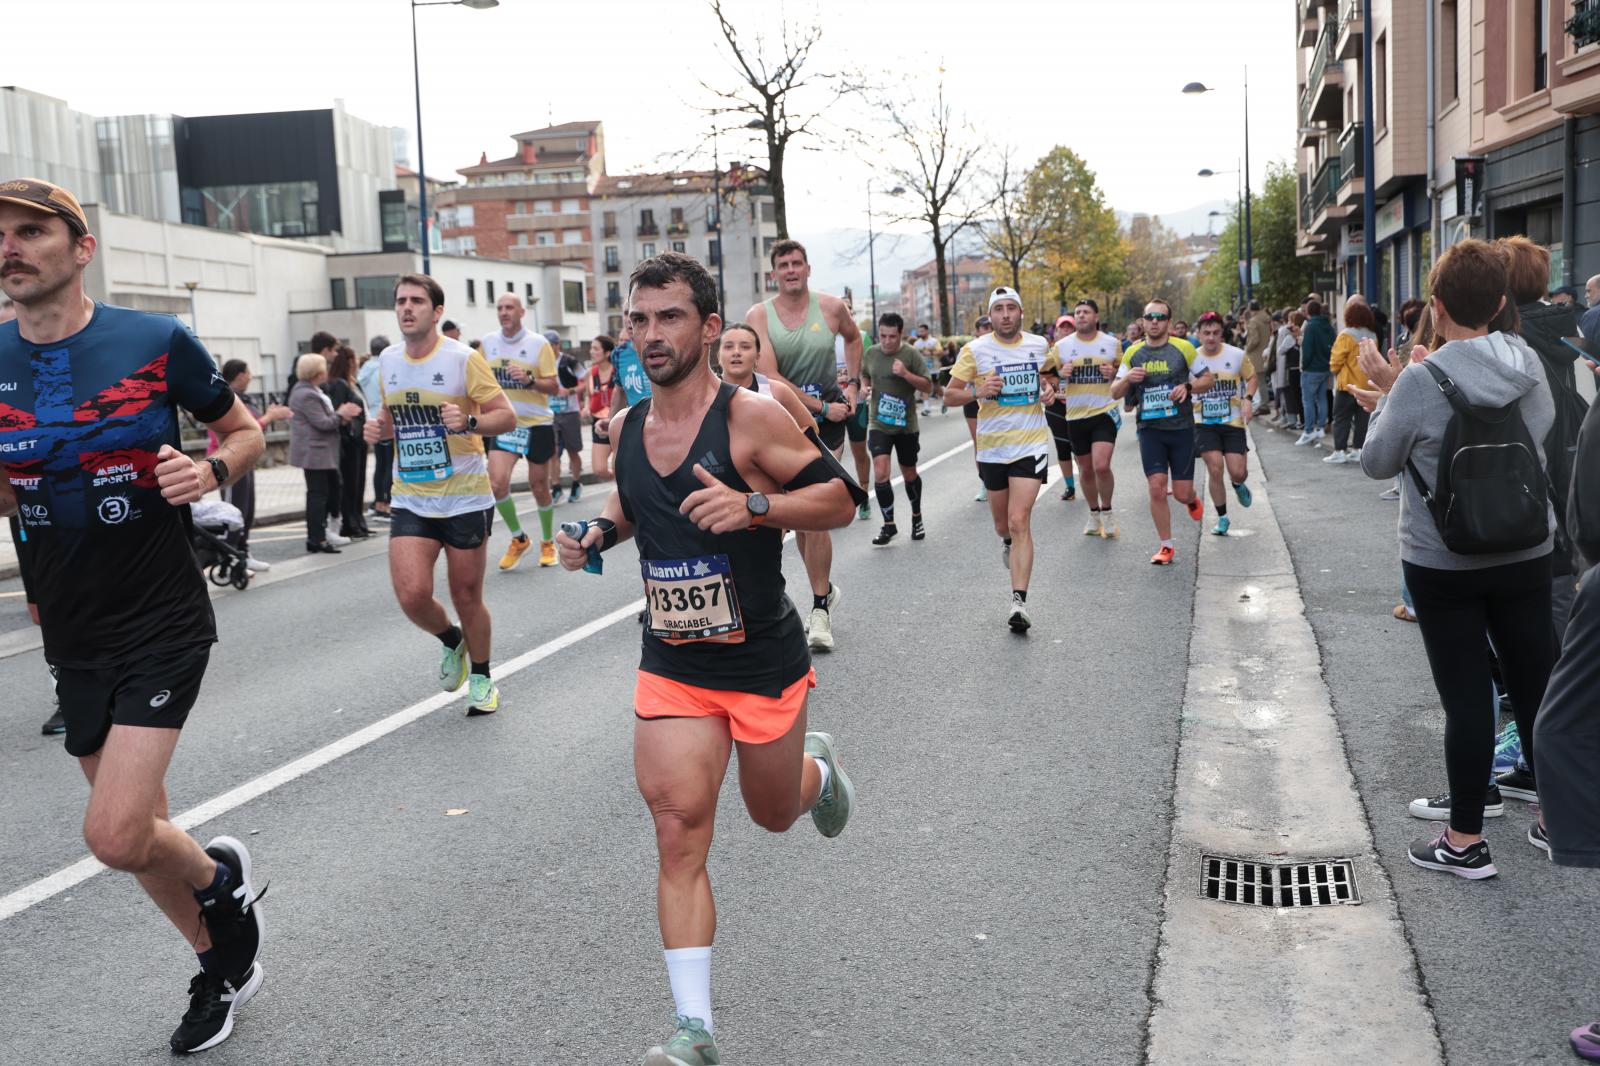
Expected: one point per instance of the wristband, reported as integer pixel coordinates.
(608, 532)
(823, 414)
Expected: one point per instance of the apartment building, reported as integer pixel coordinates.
(967, 278)
(1501, 97)
(728, 221)
(532, 206)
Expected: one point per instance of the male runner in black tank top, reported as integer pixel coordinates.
(708, 477)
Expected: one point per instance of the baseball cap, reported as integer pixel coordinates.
(1065, 320)
(982, 323)
(553, 337)
(1089, 303)
(47, 197)
(1004, 292)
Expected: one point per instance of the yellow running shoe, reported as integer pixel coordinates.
(547, 553)
(514, 552)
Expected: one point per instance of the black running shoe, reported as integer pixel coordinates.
(1070, 493)
(1519, 784)
(55, 725)
(232, 916)
(1437, 808)
(1437, 853)
(885, 535)
(917, 532)
(1538, 837)
(213, 1000)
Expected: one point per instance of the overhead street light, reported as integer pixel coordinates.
(416, 77)
(1198, 88)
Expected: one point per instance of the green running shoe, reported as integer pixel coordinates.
(690, 1045)
(482, 696)
(864, 512)
(832, 811)
(453, 667)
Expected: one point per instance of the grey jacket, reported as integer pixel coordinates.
(314, 432)
(1411, 424)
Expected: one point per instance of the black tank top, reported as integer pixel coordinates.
(704, 584)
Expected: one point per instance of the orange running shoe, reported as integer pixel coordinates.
(1197, 509)
(514, 551)
(547, 553)
(1163, 557)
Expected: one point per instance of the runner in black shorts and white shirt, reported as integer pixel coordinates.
(89, 452)
(1222, 414)
(1089, 360)
(1055, 416)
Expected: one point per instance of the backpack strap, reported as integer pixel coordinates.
(1452, 394)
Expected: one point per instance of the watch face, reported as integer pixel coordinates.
(757, 503)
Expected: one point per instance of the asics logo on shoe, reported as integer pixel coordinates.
(160, 697)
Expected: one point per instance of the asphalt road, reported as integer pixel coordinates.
(997, 897)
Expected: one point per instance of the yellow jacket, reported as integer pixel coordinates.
(1343, 364)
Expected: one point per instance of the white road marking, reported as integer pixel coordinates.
(14, 903)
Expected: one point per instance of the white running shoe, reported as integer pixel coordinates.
(256, 566)
(1018, 620)
(820, 631)
(1005, 555)
(983, 494)
(1306, 437)
(1093, 528)
(1336, 458)
(1391, 494)
(338, 541)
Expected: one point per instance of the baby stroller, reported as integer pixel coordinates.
(212, 521)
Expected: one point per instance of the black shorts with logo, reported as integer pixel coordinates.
(541, 444)
(996, 477)
(463, 532)
(905, 446)
(156, 690)
(856, 425)
(1230, 440)
(1087, 432)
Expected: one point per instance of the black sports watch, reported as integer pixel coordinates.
(472, 423)
(758, 506)
(219, 470)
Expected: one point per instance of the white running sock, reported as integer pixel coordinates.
(1168, 544)
(689, 970)
(822, 766)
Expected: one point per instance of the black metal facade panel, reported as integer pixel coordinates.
(279, 146)
(1586, 161)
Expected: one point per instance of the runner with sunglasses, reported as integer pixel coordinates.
(1156, 382)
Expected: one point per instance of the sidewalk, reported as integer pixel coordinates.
(280, 498)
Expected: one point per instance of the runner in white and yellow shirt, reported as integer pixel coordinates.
(1013, 376)
(1221, 415)
(439, 402)
(524, 366)
(1089, 360)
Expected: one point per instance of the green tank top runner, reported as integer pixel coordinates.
(804, 355)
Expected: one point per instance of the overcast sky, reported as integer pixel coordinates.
(1101, 76)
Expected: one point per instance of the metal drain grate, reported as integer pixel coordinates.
(1323, 883)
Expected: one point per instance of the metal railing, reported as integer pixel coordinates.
(1326, 185)
(648, 229)
(1350, 11)
(1584, 25)
(1322, 58)
(1352, 164)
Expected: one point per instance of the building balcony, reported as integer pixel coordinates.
(1321, 102)
(613, 303)
(1310, 135)
(1326, 212)
(1348, 30)
(648, 229)
(534, 221)
(1352, 167)
(553, 253)
(1308, 22)
(1584, 25)
(677, 229)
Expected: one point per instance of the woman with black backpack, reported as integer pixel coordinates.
(1465, 426)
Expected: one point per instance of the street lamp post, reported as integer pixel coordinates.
(1249, 243)
(1369, 273)
(872, 257)
(1239, 225)
(416, 78)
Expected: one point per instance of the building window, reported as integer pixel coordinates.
(647, 250)
(1449, 55)
(394, 220)
(376, 292)
(614, 324)
(522, 240)
(711, 215)
(1541, 44)
(472, 293)
(680, 246)
(1380, 82)
(511, 288)
(769, 211)
(647, 223)
(277, 209)
(608, 224)
(530, 294)
(570, 206)
(613, 260)
(613, 295)
(572, 236)
(772, 282)
(544, 237)
(544, 207)
(766, 245)
(341, 300)
(572, 297)
(488, 292)
(714, 252)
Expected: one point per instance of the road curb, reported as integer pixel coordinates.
(1262, 774)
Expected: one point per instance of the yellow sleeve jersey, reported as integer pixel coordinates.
(532, 353)
(1085, 390)
(438, 474)
(1011, 425)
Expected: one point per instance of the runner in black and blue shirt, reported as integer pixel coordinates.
(89, 435)
(1155, 383)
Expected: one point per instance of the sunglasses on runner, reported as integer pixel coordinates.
(1155, 316)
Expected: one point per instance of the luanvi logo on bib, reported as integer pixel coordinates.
(161, 697)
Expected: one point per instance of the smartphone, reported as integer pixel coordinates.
(1586, 348)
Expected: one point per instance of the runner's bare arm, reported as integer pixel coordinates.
(379, 427)
(845, 326)
(767, 359)
(574, 553)
(184, 480)
(791, 403)
(495, 416)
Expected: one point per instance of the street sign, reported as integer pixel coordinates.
(1324, 280)
(1255, 272)
(1469, 185)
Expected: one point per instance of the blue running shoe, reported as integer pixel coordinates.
(1243, 492)
(1221, 528)
(1507, 750)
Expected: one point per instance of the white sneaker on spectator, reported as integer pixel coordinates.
(1305, 438)
(254, 565)
(336, 540)
(1391, 493)
(1336, 458)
